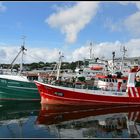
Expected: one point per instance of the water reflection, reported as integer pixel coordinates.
(35, 120)
(17, 120)
(87, 122)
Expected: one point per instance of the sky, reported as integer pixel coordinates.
(69, 27)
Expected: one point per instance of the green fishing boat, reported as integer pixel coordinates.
(18, 87)
(15, 87)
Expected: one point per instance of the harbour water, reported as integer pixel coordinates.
(22, 119)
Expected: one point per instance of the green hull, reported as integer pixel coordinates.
(18, 90)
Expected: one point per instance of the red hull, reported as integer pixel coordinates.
(56, 95)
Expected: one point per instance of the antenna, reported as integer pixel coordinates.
(123, 50)
(90, 49)
(59, 65)
(23, 38)
(113, 53)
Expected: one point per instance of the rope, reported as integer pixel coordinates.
(36, 58)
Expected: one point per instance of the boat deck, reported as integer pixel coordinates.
(89, 89)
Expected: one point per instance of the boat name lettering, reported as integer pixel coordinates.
(59, 93)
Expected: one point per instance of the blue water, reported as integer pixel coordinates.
(33, 120)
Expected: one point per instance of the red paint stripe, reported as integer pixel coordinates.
(134, 92)
(138, 91)
(129, 94)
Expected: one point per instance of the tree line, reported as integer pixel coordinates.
(41, 64)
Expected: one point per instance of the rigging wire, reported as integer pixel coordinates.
(36, 57)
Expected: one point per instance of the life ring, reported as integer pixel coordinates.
(111, 84)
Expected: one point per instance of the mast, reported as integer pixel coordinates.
(113, 53)
(123, 56)
(59, 65)
(90, 51)
(22, 52)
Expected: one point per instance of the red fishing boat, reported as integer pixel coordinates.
(52, 94)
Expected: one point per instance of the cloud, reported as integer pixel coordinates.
(137, 3)
(133, 46)
(5, 53)
(132, 23)
(45, 55)
(70, 20)
(2, 7)
(113, 26)
(73, 19)
(8, 53)
(129, 23)
(103, 49)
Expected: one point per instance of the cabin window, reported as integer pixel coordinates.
(125, 64)
(32, 78)
(137, 81)
(107, 80)
(113, 80)
(124, 81)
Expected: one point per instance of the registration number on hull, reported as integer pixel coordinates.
(59, 94)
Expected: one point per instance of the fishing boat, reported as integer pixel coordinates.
(104, 75)
(75, 121)
(91, 66)
(16, 86)
(54, 94)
